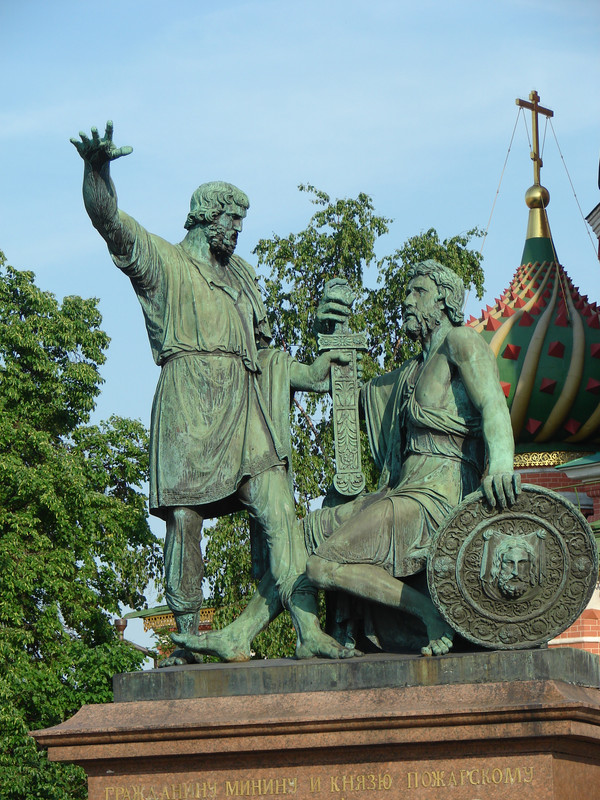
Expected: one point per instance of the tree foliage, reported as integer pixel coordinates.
(339, 241)
(74, 540)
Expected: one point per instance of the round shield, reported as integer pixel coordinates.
(515, 577)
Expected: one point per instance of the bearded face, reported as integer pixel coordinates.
(513, 579)
(222, 242)
(222, 233)
(422, 309)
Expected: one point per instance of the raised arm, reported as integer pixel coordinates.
(99, 193)
(479, 373)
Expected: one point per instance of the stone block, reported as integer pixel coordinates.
(512, 737)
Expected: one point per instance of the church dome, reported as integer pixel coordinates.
(546, 338)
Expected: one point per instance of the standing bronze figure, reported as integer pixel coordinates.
(220, 417)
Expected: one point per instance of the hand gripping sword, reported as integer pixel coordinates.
(348, 479)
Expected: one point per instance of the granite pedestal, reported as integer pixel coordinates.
(493, 726)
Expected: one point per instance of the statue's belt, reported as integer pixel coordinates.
(185, 353)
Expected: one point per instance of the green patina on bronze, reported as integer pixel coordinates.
(438, 429)
(516, 578)
(348, 480)
(431, 425)
(220, 417)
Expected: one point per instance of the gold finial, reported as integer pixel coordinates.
(537, 196)
(535, 110)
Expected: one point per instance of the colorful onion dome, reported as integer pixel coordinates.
(546, 338)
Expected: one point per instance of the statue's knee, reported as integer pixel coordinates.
(178, 514)
(319, 571)
(181, 518)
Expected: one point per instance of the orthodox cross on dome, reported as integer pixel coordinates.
(537, 196)
(535, 110)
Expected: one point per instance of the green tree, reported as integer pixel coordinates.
(388, 344)
(74, 540)
(339, 241)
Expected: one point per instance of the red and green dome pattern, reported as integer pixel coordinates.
(546, 339)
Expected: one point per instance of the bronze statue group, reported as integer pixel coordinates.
(220, 438)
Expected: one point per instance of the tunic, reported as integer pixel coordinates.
(428, 457)
(211, 423)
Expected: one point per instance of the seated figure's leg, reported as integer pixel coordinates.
(353, 558)
(321, 523)
(184, 571)
(233, 643)
(269, 501)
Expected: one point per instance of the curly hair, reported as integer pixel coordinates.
(452, 290)
(211, 199)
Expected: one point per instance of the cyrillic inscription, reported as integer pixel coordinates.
(334, 786)
(478, 776)
(361, 783)
(188, 790)
(261, 787)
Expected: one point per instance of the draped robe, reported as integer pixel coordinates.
(429, 458)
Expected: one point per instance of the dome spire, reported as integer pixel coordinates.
(538, 245)
(545, 335)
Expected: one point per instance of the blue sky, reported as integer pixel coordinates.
(413, 103)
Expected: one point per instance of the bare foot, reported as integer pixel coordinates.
(178, 657)
(440, 636)
(320, 645)
(213, 643)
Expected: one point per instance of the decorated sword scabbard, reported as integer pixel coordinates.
(348, 479)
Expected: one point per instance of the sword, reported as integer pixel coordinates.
(348, 479)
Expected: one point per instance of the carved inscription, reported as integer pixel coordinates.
(261, 787)
(188, 790)
(370, 782)
(478, 776)
(337, 785)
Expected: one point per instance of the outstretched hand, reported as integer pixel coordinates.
(97, 151)
(501, 489)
